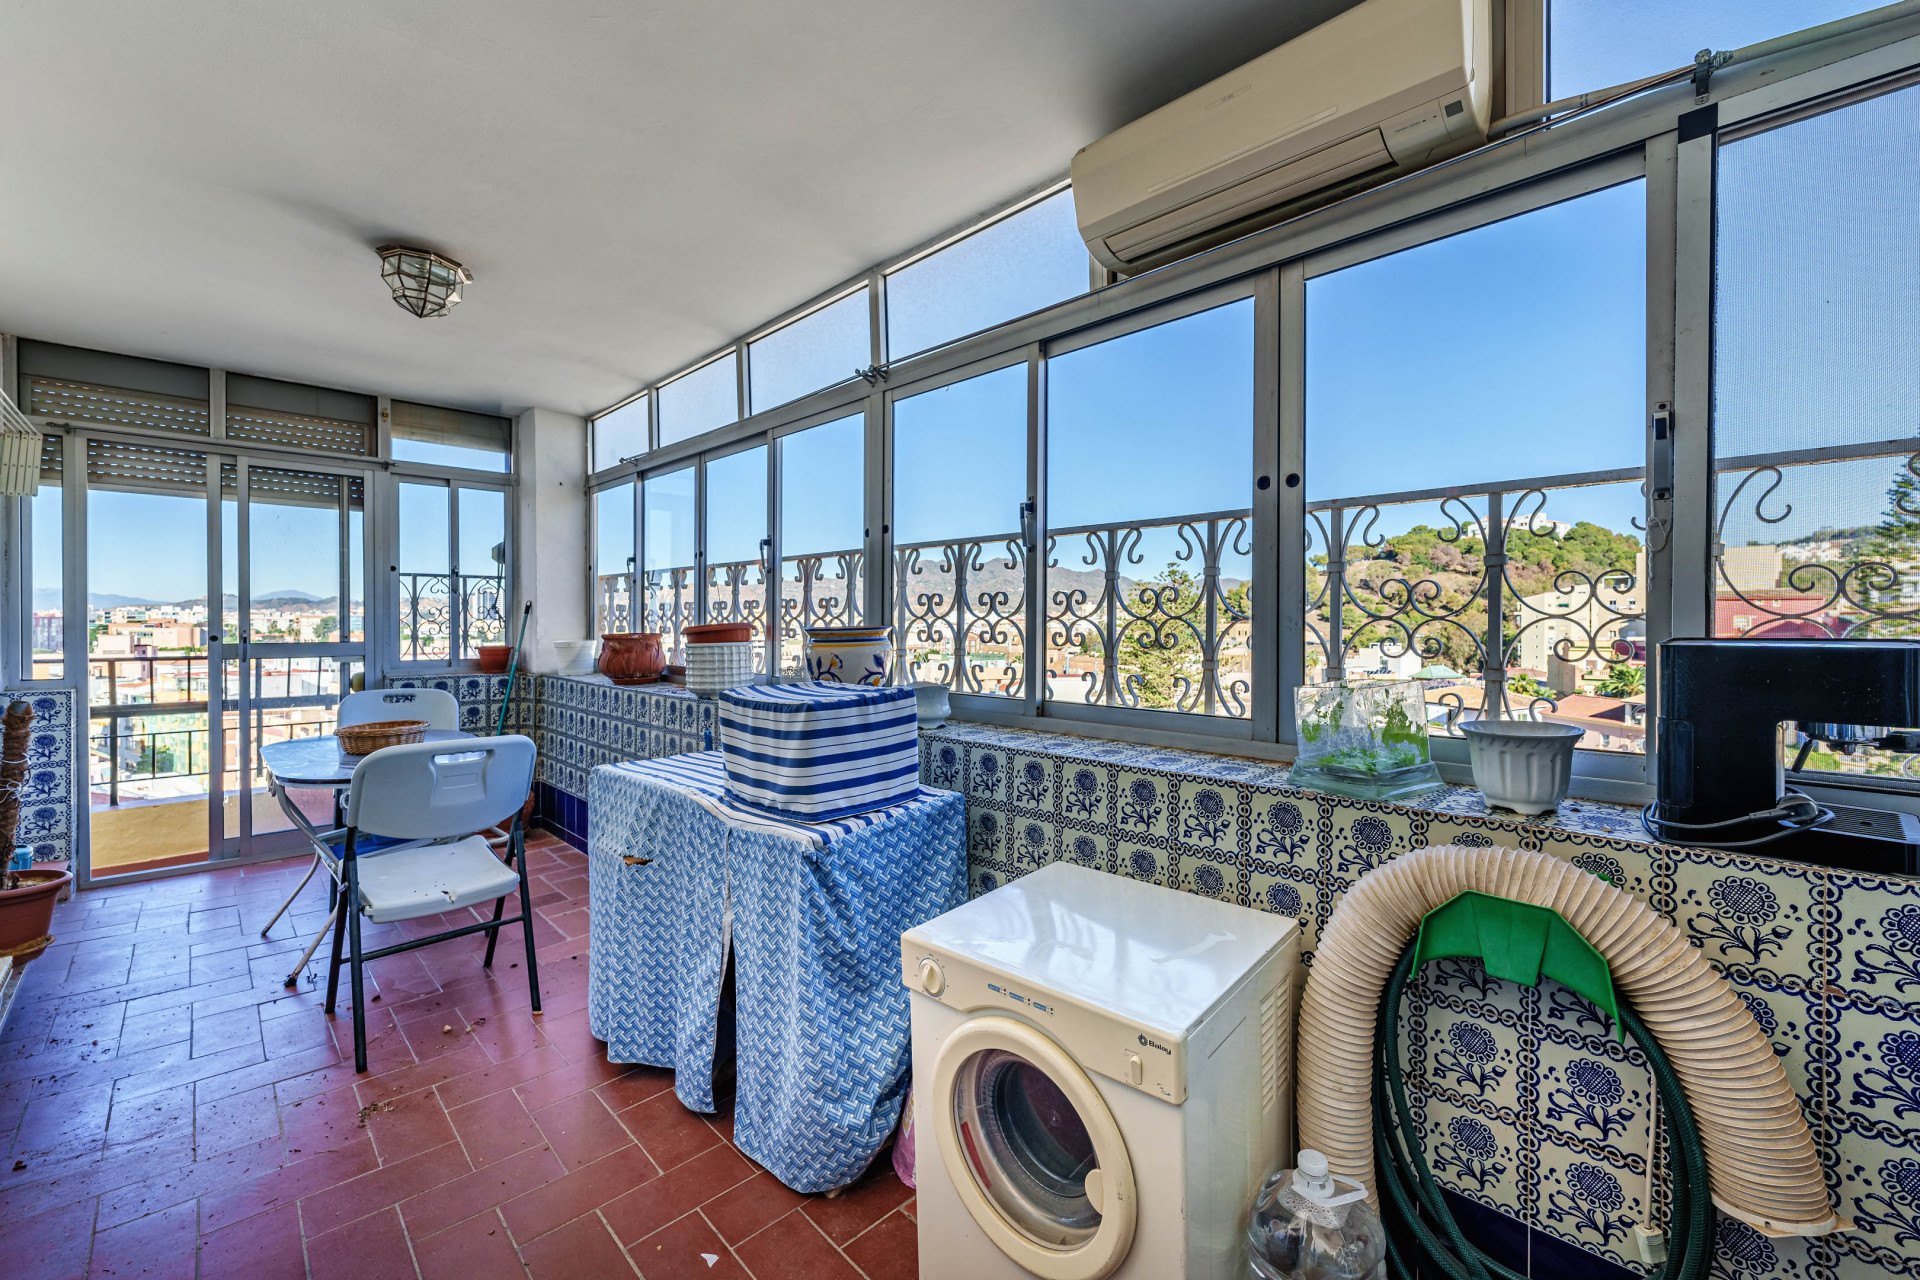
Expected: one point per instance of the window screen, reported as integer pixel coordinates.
(451, 437)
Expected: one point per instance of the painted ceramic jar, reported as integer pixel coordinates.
(849, 655)
(632, 657)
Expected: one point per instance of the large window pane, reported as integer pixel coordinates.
(959, 477)
(47, 597)
(667, 595)
(818, 350)
(426, 587)
(736, 524)
(613, 559)
(483, 569)
(1816, 328)
(1149, 494)
(1023, 263)
(1401, 587)
(620, 434)
(822, 530)
(1596, 44)
(708, 397)
(295, 533)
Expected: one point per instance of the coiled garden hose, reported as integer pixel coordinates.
(1422, 1236)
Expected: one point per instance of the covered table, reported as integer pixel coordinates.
(813, 913)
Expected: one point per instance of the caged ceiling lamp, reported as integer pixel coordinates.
(422, 281)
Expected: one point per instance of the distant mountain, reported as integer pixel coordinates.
(289, 594)
(107, 600)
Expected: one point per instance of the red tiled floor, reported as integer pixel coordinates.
(178, 1113)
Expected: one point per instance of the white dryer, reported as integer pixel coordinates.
(1102, 1077)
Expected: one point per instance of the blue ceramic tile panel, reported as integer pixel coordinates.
(1531, 1108)
(48, 803)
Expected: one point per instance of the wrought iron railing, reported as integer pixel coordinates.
(1158, 625)
(613, 608)
(959, 614)
(667, 604)
(821, 590)
(436, 610)
(737, 592)
(1494, 578)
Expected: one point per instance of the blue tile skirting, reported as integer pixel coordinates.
(50, 801)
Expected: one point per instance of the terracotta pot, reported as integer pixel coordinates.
(718, 633)
(26, 913)
(632, 657)
(494, 658)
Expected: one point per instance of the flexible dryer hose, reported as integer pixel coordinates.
(1762, 1164)
(1423, 1238)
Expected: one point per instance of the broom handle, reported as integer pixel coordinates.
(513, 670)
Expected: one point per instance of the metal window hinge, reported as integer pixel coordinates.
(873, 375)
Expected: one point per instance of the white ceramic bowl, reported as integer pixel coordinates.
(1522, 765)
(933, 706)
(576, 656)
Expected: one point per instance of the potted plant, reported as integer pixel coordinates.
(27, 896)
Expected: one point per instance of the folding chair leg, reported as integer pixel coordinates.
(333, 971)
(350, 908)
(493, 934)
(293, 974)
(290, 897)
(519, 847)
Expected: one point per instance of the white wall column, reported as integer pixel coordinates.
(550, 455)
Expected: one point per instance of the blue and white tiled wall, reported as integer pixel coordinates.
(1530, 1107)
(49, 802)
(479, 698)
(589, 721)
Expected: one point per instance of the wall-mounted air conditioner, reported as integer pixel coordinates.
(1384, 88)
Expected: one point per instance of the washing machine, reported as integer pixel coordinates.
(1102, 1077)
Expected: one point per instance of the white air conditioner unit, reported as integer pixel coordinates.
(1386, 87)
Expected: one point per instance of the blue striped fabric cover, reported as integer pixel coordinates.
(818, 751)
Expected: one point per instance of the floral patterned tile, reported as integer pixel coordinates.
(985, 877)
(1621, 863)
(986, 835)
(1879, 922)
(1287, 891)
(1142, 862)
(1746, 912)
(1473, 1057)
(1032, 842)
(1282, 826)
(1085, 792)
(1030, 783)
(1211, 876)
(1741, 1253)
(1597, 1093)
(1364, 835)
(1590, 1201)
(1143, 802)
(1086, 848)
(942, 765)
(986, 774)
(1207, 817)
(1472, 1153)
(1878, 1086)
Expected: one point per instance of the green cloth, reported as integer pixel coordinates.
(1518, 941)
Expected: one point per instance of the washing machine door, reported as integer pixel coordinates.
(1032, 1150)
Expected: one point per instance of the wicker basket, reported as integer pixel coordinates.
(360, 739)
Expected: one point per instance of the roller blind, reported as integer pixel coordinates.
(72, 384)
(450, 428)
(264, 411)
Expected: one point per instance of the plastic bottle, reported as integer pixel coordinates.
(1304, 1227)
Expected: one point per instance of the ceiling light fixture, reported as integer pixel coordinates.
(422, 281)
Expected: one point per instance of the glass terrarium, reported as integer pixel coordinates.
(1365, 739)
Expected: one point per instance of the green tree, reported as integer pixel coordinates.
(1624, 680)
(325, 628)
(1150, 665)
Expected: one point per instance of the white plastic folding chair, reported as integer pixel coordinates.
(427, 804)
(436, 706)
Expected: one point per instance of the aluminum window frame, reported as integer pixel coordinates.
(1654, 137)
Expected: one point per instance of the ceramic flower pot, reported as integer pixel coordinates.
(1522, 765)
(934, 707)
(632, 657)
(718, 633)
(576, 657)
(494, 658)
(26, 913)
(849, 655)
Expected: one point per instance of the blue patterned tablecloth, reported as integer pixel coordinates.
(814, 914)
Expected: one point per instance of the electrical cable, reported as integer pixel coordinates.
(1798, 812)
(1422, 1237)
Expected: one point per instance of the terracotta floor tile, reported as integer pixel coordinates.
(671, 1134)
(580, 1249)
(62, 1238)
(285, 1185)
(495, 1127)
(794, 1249)
(585, 1189)
(491, 1079)
(888, 1250)
(578, 1077)
(374, 1248)
(150, 1116)
(860, 1206)
(481, 1190)
(478, 1249)
(747, 1208)
(407, 1126)
(643, 1211)
(581, 1129)
(680, 1251)
(238, 1120)
(635, 1087)
(261, 1247)
(382, 1188)
(159, 1246)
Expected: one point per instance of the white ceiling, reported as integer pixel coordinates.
(632, 183)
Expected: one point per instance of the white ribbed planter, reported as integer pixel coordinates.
(1522, 765)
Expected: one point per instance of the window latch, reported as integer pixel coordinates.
(1661, 487)
(1026, 523)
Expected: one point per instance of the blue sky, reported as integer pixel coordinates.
(1600, 43)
